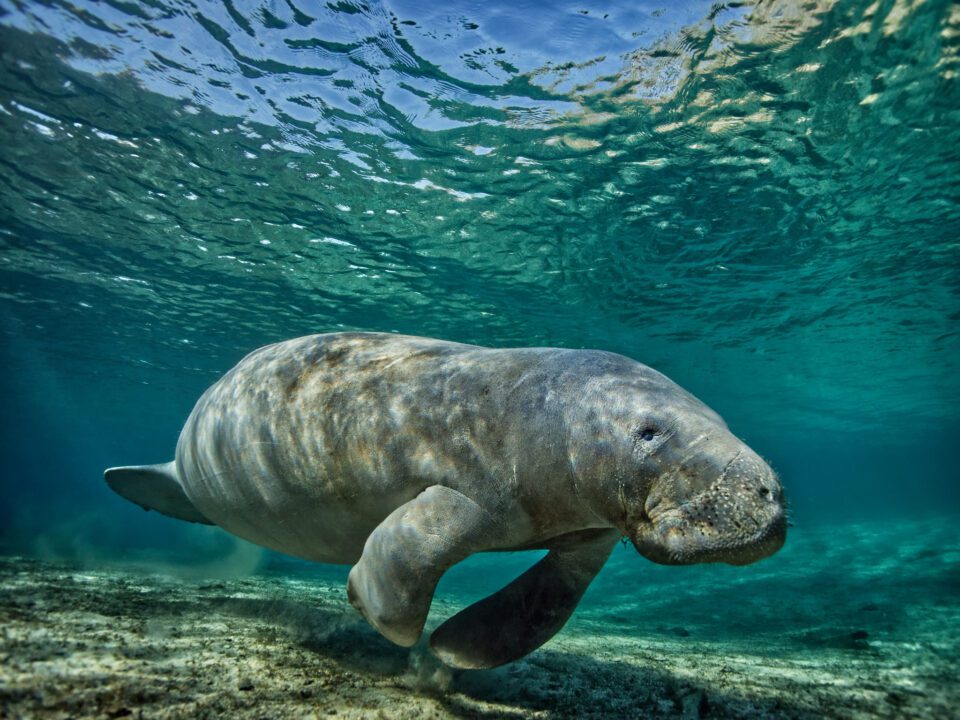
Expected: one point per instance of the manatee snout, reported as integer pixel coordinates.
(732, 512)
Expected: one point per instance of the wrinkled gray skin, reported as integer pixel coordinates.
(404, 455)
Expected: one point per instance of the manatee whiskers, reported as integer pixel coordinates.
(401, 456)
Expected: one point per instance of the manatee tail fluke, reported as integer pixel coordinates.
(154, 487)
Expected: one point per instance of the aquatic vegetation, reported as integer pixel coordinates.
(831, 630)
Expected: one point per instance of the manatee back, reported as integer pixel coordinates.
(304, 444)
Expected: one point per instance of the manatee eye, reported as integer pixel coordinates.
(646, 433)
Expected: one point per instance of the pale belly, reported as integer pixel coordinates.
(315, 521)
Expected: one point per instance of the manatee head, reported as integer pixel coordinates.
(667, 470)
(703, 495)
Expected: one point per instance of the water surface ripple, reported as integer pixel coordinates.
(761, 200)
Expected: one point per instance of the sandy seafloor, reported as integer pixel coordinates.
(855, 621)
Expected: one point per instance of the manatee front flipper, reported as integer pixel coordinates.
(529, 611)
(393, 582)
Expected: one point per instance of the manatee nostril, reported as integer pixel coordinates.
(764, 491)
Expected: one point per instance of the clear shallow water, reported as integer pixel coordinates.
(759, 201)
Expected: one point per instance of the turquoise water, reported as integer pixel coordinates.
(762, 201)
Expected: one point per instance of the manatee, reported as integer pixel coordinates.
(401, 456)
